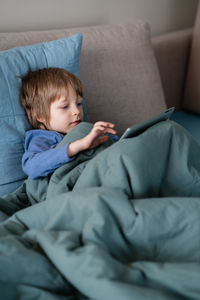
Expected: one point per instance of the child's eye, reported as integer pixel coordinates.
(64, 106)
(79, 103)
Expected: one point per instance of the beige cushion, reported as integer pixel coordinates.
(118, 68)
(192, 91)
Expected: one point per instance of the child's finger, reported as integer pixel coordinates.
(104, 124)
(101, 129)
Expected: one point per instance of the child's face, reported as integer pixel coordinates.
(66, 112)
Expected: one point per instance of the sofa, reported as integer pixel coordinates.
(113, 224)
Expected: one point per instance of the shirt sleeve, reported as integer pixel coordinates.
(114, 137)
(41, 158)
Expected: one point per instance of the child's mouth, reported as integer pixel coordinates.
(76, 122)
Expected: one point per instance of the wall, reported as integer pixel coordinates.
(162, 15)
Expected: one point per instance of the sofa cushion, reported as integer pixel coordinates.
(14, 63)
(120, 74)
(192, 90)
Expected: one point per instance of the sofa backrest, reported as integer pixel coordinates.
(172, 52)
(192, 91)
(118, 69)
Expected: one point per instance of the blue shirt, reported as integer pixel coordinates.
(41, 157)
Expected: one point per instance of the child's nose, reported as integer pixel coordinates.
(75, 111)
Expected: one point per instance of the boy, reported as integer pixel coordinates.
(52, 99)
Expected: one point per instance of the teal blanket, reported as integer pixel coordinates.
(119, 222)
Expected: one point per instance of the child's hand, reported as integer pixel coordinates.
(93, 139)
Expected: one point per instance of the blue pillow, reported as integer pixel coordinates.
(16, 62)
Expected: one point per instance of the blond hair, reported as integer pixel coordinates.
(41, 88)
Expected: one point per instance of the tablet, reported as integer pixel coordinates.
(141, 127)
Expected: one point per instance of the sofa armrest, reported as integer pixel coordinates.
(172, 54)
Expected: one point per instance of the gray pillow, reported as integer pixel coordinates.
(120, 74)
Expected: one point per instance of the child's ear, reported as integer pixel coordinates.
(42, 122)
(39, 119)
